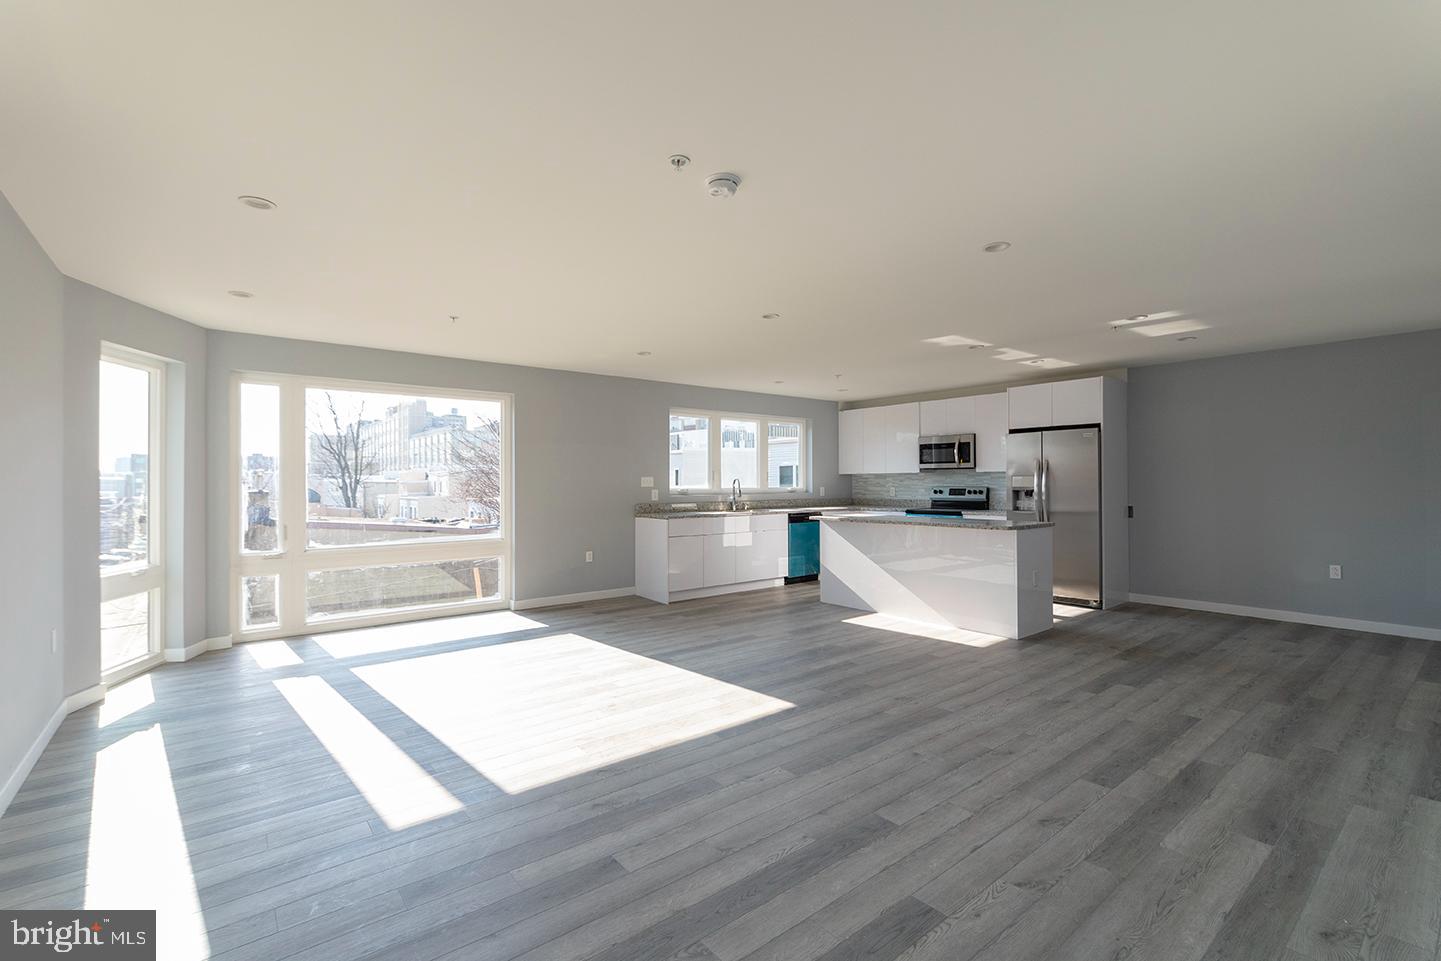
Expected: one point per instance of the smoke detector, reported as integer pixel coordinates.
(722, 185)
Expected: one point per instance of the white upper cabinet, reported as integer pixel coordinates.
(1029, 406)
(1076, 402)
(954, 415)
(880, 440)
(1061, 404)
(992, 425)
(873, 440)
(852, 442)
(903, 435)
(961, 415)
(935, 417)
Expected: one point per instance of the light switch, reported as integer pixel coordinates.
(647, 482)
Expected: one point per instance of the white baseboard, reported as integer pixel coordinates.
(717, 591)
(176, 655)
(221, 643)
(27, 763)
(1295, 617)
(530, 603)
(84, 698)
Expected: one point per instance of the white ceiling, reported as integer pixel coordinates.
(1269, 169)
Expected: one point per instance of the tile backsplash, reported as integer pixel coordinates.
(917, 487)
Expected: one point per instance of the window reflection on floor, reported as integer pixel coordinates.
(413, 634)
(398, 789)
(272, 654)
(531, 712)
(934, 632)
(123, 700)
(124, 630)
(137, 856)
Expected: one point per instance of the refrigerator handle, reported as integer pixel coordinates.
(1040, 491)
(1046, 488)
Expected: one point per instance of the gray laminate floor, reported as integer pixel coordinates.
(753, 777)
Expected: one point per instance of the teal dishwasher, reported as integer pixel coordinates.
(803, 537)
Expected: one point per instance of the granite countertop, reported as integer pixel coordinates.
(767, 507)
(991, 523)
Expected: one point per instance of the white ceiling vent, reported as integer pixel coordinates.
(722, 185)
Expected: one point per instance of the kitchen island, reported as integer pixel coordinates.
(989, 575)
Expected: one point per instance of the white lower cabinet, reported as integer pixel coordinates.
(685, 563)
(680, 555)
(765, 557)
(720, 558)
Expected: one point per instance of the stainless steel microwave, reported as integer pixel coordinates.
(948, 452)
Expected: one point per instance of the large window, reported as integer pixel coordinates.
(132, 576)
(361, 502)
(709, 450)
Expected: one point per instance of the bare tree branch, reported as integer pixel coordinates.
(342, 455)
(477, 458)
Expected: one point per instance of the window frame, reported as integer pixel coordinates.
(713, 452)
(295, 558)
(127, 580)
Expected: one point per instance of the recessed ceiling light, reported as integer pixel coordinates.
(1049, 363)
(770, 316)
(243, 294)
(996, 246)
(642, 353)
(842, 390)
(1187, 337)
(259, 203)
(778, 382)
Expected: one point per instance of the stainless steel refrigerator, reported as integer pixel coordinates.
(1055, 475)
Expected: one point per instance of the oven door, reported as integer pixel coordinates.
(939, 453)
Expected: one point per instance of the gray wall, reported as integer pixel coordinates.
(32, 601)
(1251, 474)
(582, 443)
(93, 315)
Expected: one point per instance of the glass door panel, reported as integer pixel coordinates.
(131, 535)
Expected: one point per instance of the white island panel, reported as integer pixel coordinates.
(995, 581)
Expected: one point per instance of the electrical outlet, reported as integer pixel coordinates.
(823, 492)
(589, 556)
(654, 494)
(647, 482)
(892, 489)
(1335, 572)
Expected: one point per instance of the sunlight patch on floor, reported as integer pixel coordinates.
(269, 655)
(400, 637)
(122, 700)
(137, 856)
(935, 632)
(536, 711)
(400, 791)
(1064, 612)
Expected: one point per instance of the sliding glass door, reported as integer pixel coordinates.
(132, 572)
(362, 503)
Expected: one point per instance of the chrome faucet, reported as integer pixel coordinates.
(736, 494)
